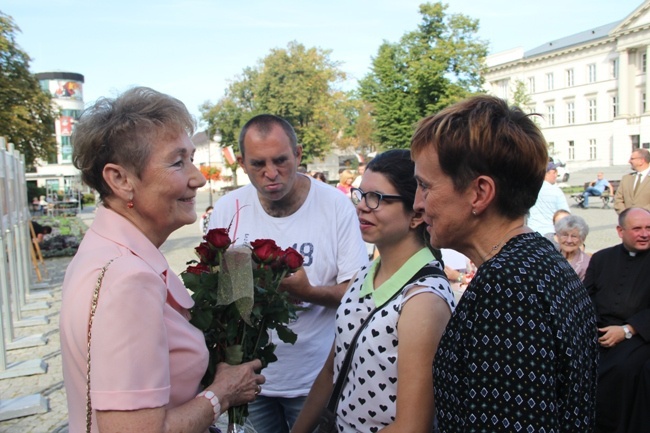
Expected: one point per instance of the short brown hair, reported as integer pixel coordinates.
(122, 130)
(481, 135)
(263, 124)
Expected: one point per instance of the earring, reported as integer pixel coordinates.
(130, 204)
(473, 212)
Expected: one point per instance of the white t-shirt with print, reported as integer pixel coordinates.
(325, 230)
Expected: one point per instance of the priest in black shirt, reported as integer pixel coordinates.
(618, 281)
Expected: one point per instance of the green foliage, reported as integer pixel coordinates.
(296, 83)
(430, 68)
(67, 233)
(520, 96)
(26, 113)
(360, 125)
(34, 191)
(88, 198)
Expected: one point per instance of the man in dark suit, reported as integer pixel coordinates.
(618, 282)
(634, 190)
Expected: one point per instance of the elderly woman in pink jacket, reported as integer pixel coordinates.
(147, 359)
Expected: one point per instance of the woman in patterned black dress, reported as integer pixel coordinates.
(520, 352)
(390, 383)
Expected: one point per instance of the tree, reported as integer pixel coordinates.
(520, 96)
(230, 113)
(360, 129)
(26, 113)
(295, 83)
(430, 68)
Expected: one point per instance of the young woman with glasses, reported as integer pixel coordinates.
(380, 392)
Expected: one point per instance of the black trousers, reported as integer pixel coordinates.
(623, 397)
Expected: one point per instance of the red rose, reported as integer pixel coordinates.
(198, 269)
(265, 250)
(292, 259)
(218, 238)
(205, 253)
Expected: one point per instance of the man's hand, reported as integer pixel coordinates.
(297, 285)
(612, 335)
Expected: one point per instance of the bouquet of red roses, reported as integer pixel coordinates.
(237, 301)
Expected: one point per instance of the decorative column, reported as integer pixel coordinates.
(647, 78)
(623, 84)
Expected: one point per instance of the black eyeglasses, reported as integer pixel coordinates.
(372, 198)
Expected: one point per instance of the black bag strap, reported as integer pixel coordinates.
(345, 366)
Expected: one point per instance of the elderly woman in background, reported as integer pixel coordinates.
(147, 359)
(571, 232)
(520, 351)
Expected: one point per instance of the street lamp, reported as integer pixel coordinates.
(217, 139)
(209, 168)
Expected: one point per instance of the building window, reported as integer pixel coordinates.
(551, 148)
(591, 72)
(571, 112)
(592, 110)
(644, 59)
(66, 149)
(614, 68)
(531, 85)
(550, 115)
(572, 150)
(614, 107)
(569, 77)
(549, 81)
(503, 89)
(75, 114)
(592, 148)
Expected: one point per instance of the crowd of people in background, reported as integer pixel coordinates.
(478, 282)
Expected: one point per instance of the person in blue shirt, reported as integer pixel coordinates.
(596, 189)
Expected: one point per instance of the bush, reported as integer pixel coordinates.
(60, 246)
(88, 198)
(67, 233)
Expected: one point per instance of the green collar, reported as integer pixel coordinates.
(395, 283)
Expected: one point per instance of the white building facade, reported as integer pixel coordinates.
(591, 89)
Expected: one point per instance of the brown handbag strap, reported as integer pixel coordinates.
(93, 307)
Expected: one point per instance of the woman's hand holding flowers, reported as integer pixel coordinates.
(236, 385)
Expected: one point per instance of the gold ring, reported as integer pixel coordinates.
(258, 390)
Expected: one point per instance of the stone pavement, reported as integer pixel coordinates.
(50, 384)
(178, 249)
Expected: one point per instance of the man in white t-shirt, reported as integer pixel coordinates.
(357, 180)
(321, 224)
(549, 200)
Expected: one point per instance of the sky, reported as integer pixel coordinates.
(192, 49)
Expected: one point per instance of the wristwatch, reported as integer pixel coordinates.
(628, 334)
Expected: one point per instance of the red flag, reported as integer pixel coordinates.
(229, 155)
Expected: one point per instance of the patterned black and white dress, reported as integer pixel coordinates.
(368, 399)
(520, 352)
